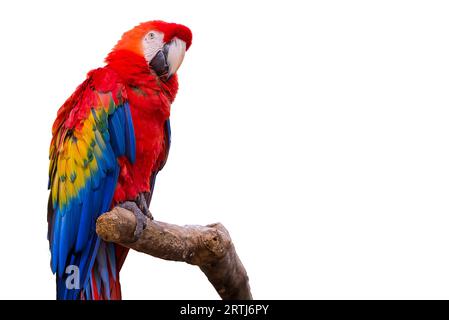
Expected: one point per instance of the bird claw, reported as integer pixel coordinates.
(141, 218)
(143, 205)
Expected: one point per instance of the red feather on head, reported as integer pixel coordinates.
(132, 39)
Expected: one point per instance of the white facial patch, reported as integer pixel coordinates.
(152, 43)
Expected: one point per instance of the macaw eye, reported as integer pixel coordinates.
(151, 35)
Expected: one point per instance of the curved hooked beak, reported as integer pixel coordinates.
(168, 60)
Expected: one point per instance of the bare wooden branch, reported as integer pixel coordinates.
(209, 247)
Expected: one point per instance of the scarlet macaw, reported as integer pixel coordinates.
(110, 139)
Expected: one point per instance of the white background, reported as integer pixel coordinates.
(315, 131)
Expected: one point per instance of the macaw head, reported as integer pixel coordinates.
(161, 44)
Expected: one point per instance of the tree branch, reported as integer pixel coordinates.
(208, 247)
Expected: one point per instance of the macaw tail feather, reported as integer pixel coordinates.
(103, 282)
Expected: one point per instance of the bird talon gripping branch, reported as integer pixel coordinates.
(143, 205)
(141, 218)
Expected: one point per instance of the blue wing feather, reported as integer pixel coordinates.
(129, 131)
(86, 214)
(117, 132)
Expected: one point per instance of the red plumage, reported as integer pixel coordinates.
(150, 100)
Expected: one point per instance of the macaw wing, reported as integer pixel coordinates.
(93, 128)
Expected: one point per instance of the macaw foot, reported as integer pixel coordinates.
(141, 218)
(143, 205)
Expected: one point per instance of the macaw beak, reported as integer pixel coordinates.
(168, 60)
